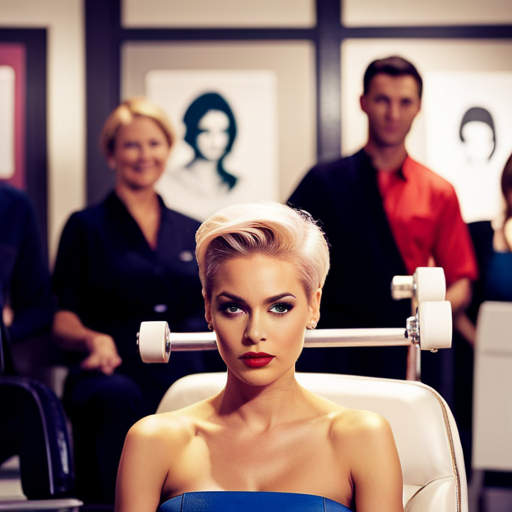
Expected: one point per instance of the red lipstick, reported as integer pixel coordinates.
(256, 359)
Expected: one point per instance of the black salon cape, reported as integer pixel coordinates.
(108, 275)
(344, 197)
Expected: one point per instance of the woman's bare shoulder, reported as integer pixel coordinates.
(346, 422)
(342, 416)
(146, 461)
(365, 430)
(364, 441)
(172, 427)
(352, 424)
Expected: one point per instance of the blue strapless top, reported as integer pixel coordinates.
(248, 501)
(498, 285)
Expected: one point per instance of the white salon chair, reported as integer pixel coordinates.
(492, 398)
(425, 432)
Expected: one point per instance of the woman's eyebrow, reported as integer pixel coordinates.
(279, 297)
(274, 298)
(231, 296)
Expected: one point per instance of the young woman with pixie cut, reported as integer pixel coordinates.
(264, 442)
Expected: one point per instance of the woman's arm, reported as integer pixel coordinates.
(71, 334)
(143, 467)
(465, 327)
(74, 267)
(375, 466)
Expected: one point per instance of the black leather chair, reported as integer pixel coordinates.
(33, 426)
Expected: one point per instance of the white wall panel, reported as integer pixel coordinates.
(418, 12)
(218, 13)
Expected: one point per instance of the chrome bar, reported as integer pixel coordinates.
(195, 341)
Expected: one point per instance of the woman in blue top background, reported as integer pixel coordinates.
(262, 268)
(493, 249)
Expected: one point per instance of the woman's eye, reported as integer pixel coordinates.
(281, 308)
(231, 308)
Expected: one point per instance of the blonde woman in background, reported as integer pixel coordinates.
(122, 261)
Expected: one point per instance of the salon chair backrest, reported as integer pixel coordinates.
(492, 411)
(425, 432)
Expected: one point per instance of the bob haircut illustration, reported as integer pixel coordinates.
(480, 115)
(210, 101)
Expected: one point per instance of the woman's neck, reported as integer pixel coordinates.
(136, 198)
(261, 407)
(502, 240)
(144, 207)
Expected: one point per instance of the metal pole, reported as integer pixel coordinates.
(413, 371)
(195, 341)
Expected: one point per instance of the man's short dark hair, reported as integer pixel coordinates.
(392, 66)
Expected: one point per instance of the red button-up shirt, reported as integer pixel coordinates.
(425, 219)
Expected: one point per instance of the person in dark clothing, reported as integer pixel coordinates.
(493, 248)
(26, 298)
(28, 409)
(126, 260)
(384, 215)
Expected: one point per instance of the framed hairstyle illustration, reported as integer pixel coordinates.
(269, 87)
(226, 127)
(464, 129)
(468, 120)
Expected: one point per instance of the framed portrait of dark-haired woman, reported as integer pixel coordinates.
(226, 127)
(244, 113)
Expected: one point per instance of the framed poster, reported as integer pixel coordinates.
(468, 121)
(284, 69)
(226, 127)
(462, 79)
(23, 119)
(12, 114)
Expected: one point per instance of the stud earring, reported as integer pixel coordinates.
(311, 325)
(210, 326)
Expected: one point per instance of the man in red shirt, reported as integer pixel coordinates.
(384, 215)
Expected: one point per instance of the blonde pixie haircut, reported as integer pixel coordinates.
(265, 228)
(124, 114)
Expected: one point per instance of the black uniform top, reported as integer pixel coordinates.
(344, 197)
(108, 275)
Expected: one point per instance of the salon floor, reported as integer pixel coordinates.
(12, 497)
(494, 499)
(10, 487)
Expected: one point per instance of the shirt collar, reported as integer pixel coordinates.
(403, 172)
